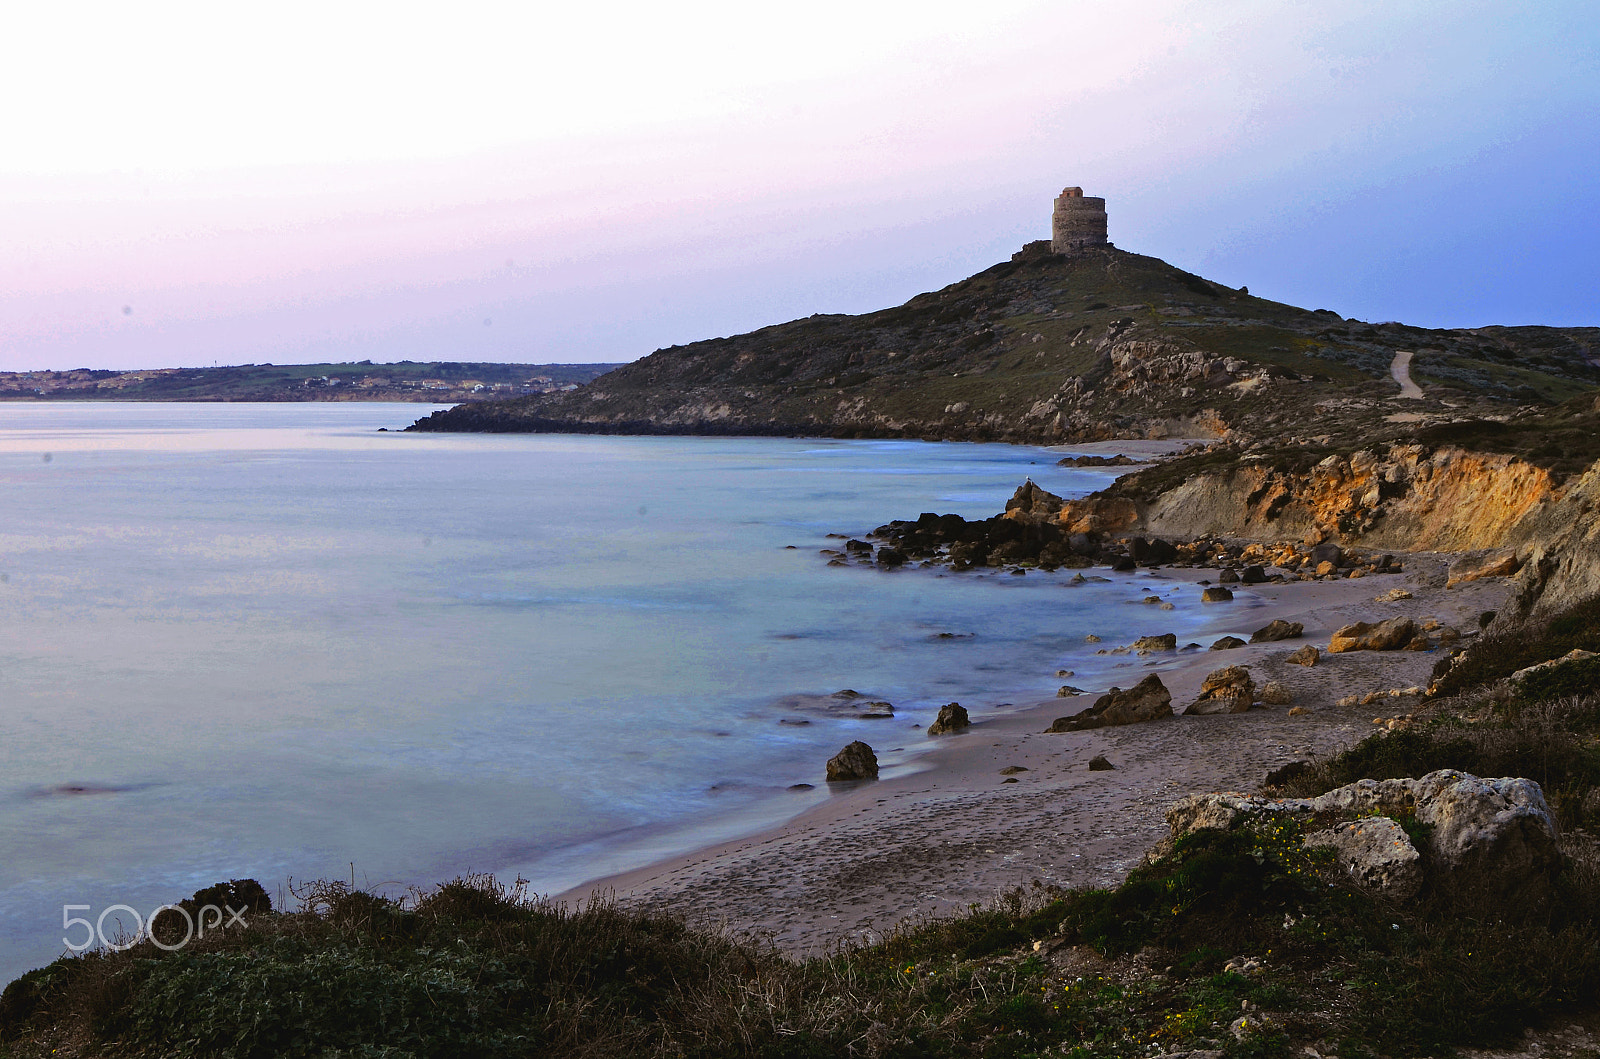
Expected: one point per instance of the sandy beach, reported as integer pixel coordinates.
(959, 832)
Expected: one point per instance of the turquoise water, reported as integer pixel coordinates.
(270, 641)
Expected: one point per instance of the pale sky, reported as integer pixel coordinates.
(188, 183)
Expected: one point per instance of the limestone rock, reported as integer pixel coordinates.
(1577, 654)
(1147, 700)
(1277, 629)
(1067, 691)
(1276, 693)
(1387, 635)
(952, 718)
(1307, 656)
(1164, 642)
(855, 762)
(1227, 643)
(1472, 567)
(1216, 594)
(1029, 501)
(1377, 854)
(1493, 838)
(1391, 596)
(1298, 711)
(1228, 690)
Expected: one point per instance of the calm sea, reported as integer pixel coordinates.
(271, 641)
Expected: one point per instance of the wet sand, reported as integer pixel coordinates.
(956, 832)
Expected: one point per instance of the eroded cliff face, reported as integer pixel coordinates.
(1405, 498)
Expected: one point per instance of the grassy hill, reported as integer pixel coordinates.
(1045, 348)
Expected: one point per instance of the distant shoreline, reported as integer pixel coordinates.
(429, 382)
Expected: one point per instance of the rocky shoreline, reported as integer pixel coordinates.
(1031, 795)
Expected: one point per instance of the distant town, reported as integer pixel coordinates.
(433, 382)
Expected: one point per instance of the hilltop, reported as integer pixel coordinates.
(1048, 348)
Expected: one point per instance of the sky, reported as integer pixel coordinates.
(183, 184)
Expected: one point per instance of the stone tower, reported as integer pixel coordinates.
(1077, 222)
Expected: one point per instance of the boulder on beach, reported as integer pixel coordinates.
(1227, 643)
(952, 718)
(1228, 577)
(1216, 594)
(1228, 690)
(1307, 656)
(1253, 575)
(1276, 693)
(1391, 634)
(855, 762)
(1147, 700)
(1164, 642)
(1098, 763)
(1472, 567)
(1277, 629)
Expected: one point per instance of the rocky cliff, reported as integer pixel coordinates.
(1405, 495)
(1045, 348)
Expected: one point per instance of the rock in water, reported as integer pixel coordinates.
(1098, 763)
(1227, 690)
(1029, 501)
(1376, 853)
(1216, 594)
(1227, 643)
(854, 762)
(1388, 635)
(952, 718)
(1145, 701)
(1277, 629)
(1307, 656)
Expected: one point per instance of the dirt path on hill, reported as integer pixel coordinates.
(1400, 368)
